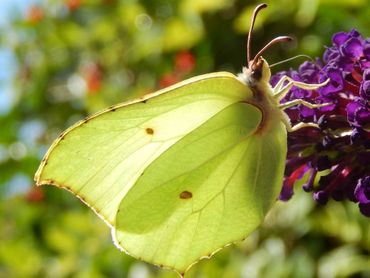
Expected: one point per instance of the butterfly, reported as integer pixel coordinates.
(180, 173)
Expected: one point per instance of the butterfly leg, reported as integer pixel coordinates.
(280, 90)
(286, 120)
(298, 126)
(280, 83)
(288, 104)
(301, 125)
(301, 102)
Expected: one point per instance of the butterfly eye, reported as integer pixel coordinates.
(257, 69)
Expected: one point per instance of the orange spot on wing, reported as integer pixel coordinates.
(149, 130)
(186, 195)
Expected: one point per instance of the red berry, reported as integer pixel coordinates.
(184, 62)
(73, 4)
(34, 14)
(35, 195)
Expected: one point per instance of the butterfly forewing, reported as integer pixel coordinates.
(101, 158)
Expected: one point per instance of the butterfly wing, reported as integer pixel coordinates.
(211, 188)
(100, 158)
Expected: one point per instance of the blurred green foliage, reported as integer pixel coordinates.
(75, 57)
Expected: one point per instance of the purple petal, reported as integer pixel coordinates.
(352, 48)
(336, 81)
(359, 136)
(345, 63)
(307, 112)
(331, 54)
(286, 191)
(297, 93)
(366, 50)
(294, 75)
(366, 74)
(362, 191)
(309, 72)
(355, 34)
(365, 89)
(340, 38)
(326, 108)
(358, 114)
(308, 186)
(321, 197)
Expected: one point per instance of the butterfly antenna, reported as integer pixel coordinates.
(249, 39)
(292, 58)
(271, 43)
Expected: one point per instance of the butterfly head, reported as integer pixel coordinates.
(258, 69)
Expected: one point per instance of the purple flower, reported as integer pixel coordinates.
(336, 80)
(365, 86)
(352, 48)
(336, 157)
(358, 113)
(362, 193)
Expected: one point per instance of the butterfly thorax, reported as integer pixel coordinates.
(256, 76)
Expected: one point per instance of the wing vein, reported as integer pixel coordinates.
(227, 183)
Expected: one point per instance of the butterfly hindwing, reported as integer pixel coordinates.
(213, 187)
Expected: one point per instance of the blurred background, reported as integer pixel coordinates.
(61, 60)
